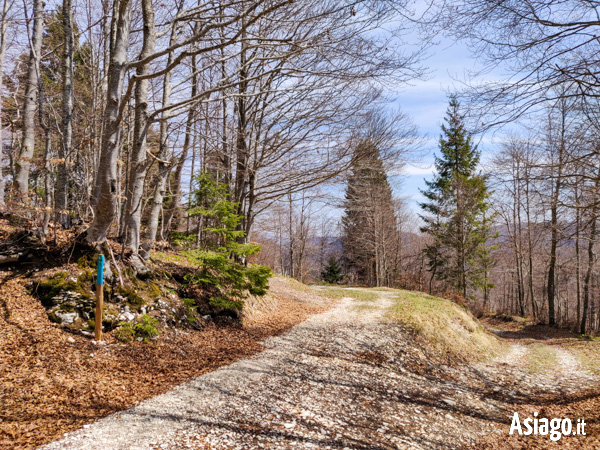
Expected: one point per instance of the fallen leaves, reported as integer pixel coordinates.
(50, 386)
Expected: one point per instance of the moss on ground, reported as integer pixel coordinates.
(48, 288)
(132, 297)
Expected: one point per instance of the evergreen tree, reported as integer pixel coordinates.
(332, 272)
(369, 234)
(456, 211)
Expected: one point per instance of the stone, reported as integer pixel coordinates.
(126, 316)
(71, 340)
(67, 318)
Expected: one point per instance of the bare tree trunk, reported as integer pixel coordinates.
(292, 238)
(137, 169)
(107, 167)
(241, 168)
(534, 307)
(176, 182)
(64, 150)
(164, 166)
(554, 224)
(191, 184)
(591, 257)
(577, 254)
(3, 27)
(588, 276)
(30, 102)
(47, 182)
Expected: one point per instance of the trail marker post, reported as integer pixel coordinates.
(99, 299)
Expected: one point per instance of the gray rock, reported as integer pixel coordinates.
(67, 318)
(126, 316)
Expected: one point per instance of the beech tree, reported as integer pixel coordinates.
(4, 18)
(546, 48)
(30, 101)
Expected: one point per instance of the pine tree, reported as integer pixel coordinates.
(456, 211)
(369, 233)
(332, 272)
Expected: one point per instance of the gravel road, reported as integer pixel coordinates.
(346, 378)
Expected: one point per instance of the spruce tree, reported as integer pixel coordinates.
(369, 231)
(456, 213)
(332, 272)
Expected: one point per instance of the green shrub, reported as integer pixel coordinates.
(332, 273)
(183, 239)
(221, 274)
(147, 327)
(227, 281)
(125, 332)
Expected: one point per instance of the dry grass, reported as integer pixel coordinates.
(540, 358)
(587, 353)
(355, 293)
(447, 327)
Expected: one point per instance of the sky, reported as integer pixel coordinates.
(426, 102)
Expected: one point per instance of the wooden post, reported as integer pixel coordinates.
(99, 299)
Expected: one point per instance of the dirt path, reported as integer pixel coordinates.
(346, 378)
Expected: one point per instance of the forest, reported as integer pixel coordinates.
(278, 208)
(261, 134)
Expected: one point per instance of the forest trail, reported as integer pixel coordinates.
(347, 378)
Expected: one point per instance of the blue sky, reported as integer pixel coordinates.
(426, 102)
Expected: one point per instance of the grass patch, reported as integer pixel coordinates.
(447, 327)
(175, 258)
(364, 307)
(587, 353)
(540, 358)
(358, 294)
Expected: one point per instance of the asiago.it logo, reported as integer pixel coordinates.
(556, 428)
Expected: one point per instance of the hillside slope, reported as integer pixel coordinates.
(54, 379)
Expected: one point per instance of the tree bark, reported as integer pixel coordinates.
(137, 170)
(30, 102)
(591, 258)
(554, 239)
(104, 212)
(164, 167)
(175, 202)
(64, 150)
(3, 27)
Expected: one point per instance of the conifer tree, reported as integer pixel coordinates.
(369, 223)
(456, 212)
(332, 272)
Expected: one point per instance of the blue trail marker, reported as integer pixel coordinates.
(100, 277)
(99, 299)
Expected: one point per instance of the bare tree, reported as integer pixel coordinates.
(30, 101)
(62, 179)
(6, 5)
